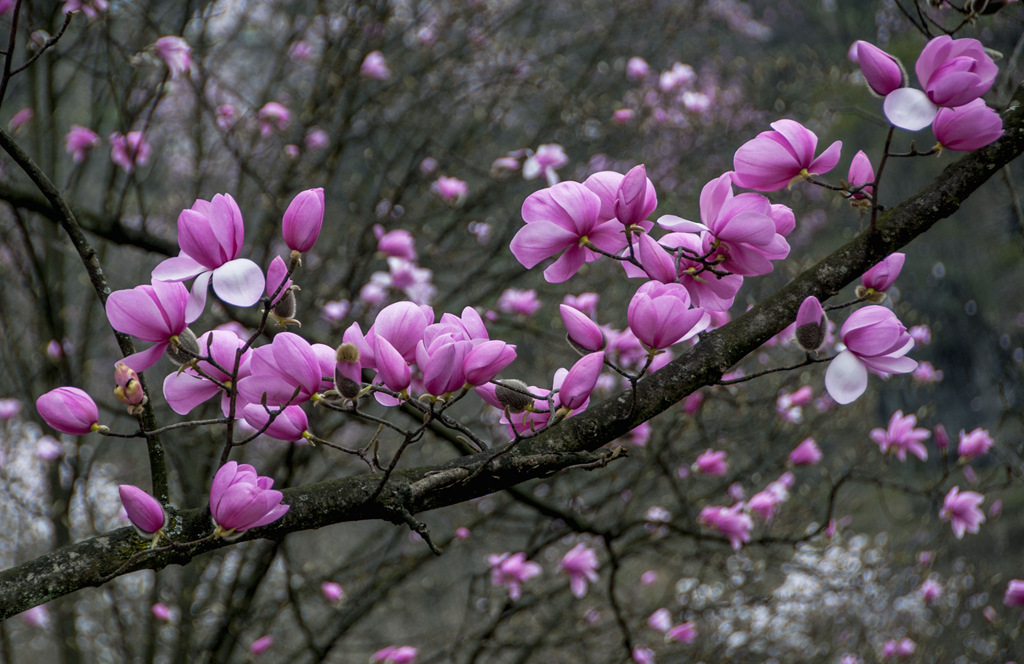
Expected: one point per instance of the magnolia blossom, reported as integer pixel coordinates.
(581, 329)
(162, 612)
(303, 219)
(861, 175)
(901, 437)
(176, 54)
(143, 510)
(711, 462)
(395, 655)
(261, 645)
(157, 313)
(240, 500)
(273, 117)
(883, 72)
(729, 521)
(375, 67)
(974, 444)
(80, 141)
(21, 118)
(512, 571)
(806, 453)
(636, 68)
(969, 127)
(875, 339)
(811, 326)
(660, 315)
(954, 72)
(69, 410)
(129, 151)
(545, 161)
(288, 424)
(518, 302)
(398, 243)
(930, 590)
(580, 564)
(450, 190)
(880, 277)
(575, 390)
(210, 235)
(776, 158)
(186, 389)
(285, 371)
(963, 511)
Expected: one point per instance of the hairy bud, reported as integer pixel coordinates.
(283, 310)
(184, 348)
(347, 352)
(346, 387)
(510, 394)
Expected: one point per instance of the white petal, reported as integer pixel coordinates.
(846, 378)
(909, 109)
(239, 282)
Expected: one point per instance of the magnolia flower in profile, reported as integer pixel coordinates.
(375, 67)
(395, 655)
(902, 436)
(273, 117)
(289, 424)
(963, 511)
(811, 326)
(642, 655)
(451, 190)
(69, 410)
(1014, 593)
(210, 235)
(581, 330)
(806, 453)
(398, 243)
(875, 339)
(303, 219)
(660, 315)
(974, 444)
(129, 151)
(144, 511)
(176, 54)
(261, 645)
(954, 72)
(580, 564)
(512, 571)
(21, 118)
(240, 500)
(777, 158)
(80, 141)
(969, 127)
(545, 161)
(729, 521)
(575, 390)
(883, 72)
(879, 278)
(157, 313)
(860, 176)
(332, 591)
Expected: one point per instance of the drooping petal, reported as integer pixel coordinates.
(178, 268)
(197, 296)
(846, 378)
(539, 240)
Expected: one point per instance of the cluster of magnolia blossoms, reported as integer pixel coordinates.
(954, 74)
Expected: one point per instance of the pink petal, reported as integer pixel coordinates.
(827, 160)
(239, 282)
(197, 296)
(184, 391)
(539, 240)
(178, 268)
(910, 109)
(846, 378)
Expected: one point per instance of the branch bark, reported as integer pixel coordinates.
(570, 444)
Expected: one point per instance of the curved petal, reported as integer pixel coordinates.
(827, 160)
(135, 312)
(802, 141)
(197, 239)
(680, 225)
(539, 240)
(197, 297)
(579, 203)
(846, 378)
(567, 265)
(178, 268)
(143, 360)
(184, 391)
(239, 282)
(909, 109)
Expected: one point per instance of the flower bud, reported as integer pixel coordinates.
(303, 219)
(348, 371)
(128, 389)
(143, 510)
(511, 394)
(811, 325)
(69, 410)
(184, 348)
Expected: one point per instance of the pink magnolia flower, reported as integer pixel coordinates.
(450, 190)
(395, 655)
(143, 510)
(711, 462)
(300, 51)
(129, 151)
(273, 117)
(398, 243)
(729, 521)
(69, 410)
(630, 199)
(21, 118)
(974, 444)
(875, 339)
(210, 235)
(518, 302)
(930, 591)
(636, 68)
(286, 370)
(392, 369)
(901, 437)
(622, 116)
(332, 591)
(575, 390)
(303, 219)
(486, 360)
(441, 363)
(581, 329)
(564, 219)
(880, 277)
(512, 571)
(1014, 593)
(963, 511)
(240, 500)
(289, 424)
(680, 75)
(545, 161)
(660, 315)
(580, 564)
(80, 141)
(585, 302)
(776, 158)
(954, 72)
(709, 291)
(375, 67)
(806, 453)
(811, 326)
(161, 612)
(226, 116)
(883, 72)
(176, 54)
(861, 175)
(969, 127)
(261, 645)
(157, 313)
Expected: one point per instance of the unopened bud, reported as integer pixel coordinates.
(283, 310)
(348, 371)
(347, 352)
(511, 394)
(811, 336)
(184, 348)
(346, 387)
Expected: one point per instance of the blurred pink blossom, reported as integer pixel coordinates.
(21, 118)
(273, 117)
(902, 436)
(375, 67)
(332, 591)
(176, 54)
(806, 453)
(518, 302)
(395, 655)
(711, 462)
(580, 564)
(451, 190)
(963, 511)
(636, 68)
(129, 151)
(512, 571)
(974, 444)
